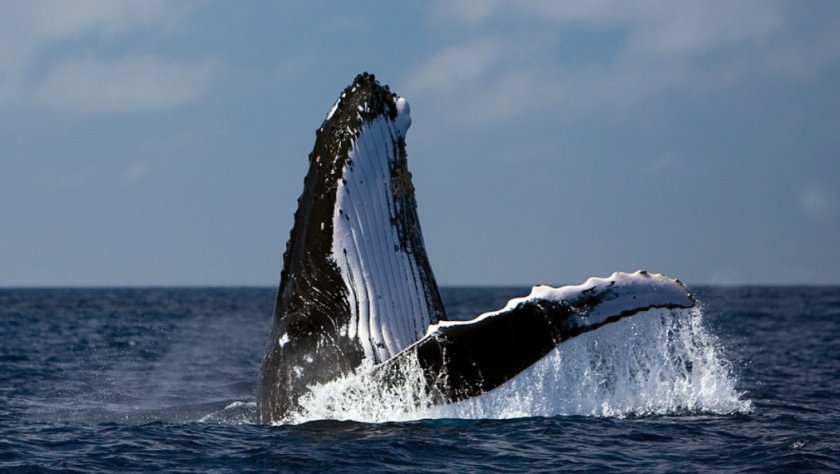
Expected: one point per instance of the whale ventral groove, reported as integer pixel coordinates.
(315, 304)
(357, 291)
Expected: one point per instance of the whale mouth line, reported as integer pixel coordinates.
(357, 287)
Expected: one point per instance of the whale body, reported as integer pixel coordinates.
(357, 287)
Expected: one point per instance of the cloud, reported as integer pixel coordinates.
(458, 65)
(652, 27)
(36, 32)
(663, 28)
(136, 171)
(478, 85)
(469, 11)
(159, 155)
(29, 26)
(643, 50)
(128, 84)
(818, 202)
(48, 20)
(693, 28)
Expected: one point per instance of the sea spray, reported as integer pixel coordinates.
(363, 396)
(661, 362)
(657, 363)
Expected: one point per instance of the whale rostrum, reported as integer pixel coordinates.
(357, 286)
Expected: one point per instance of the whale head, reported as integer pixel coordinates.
(356, 282)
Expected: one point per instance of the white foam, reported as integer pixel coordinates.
(661, 362)
(658, 363)
(235, 413)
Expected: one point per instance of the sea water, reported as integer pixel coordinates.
(164, 380)
(662, 362)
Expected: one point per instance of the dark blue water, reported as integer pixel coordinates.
(164, 380)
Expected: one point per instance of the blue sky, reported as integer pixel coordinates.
(165, 143)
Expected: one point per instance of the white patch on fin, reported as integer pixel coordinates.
(619, 293)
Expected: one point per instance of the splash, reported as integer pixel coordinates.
(363, 397)
(234, 413)
(661, 362)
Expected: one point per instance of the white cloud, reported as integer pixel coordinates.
(32, 30)
(49, 20)
(125, 85)
(506, 96)
(818, 202)
(469, 11)
(478, 85)
(654, 27)
(656, 47)
(136, 171)
(28, 26)
(458, 65)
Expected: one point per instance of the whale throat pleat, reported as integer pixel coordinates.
(377, 245)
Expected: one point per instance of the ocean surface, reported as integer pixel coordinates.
(164, 380)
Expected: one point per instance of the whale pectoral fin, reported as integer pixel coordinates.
(462, 359)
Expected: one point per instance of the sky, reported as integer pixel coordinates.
(165, 143)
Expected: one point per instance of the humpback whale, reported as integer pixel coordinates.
(357, 288)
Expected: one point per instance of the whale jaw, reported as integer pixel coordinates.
(356, 282)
